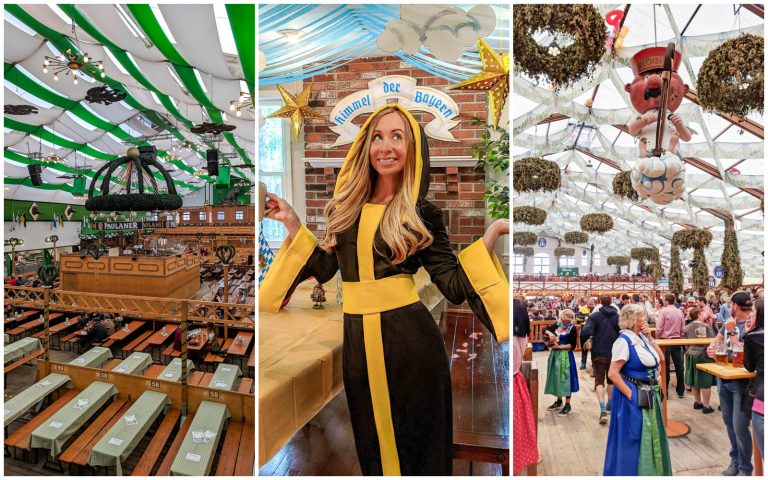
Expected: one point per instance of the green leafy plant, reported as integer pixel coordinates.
(622, 186)
(650, 261)
(618, 261)
(698, 239)
(492, 154)
(525, 251)
(529, 215)
(565, 252)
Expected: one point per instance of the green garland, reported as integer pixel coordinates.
(596, 222)
(581, 22)
(565, 252)
(524, 238)
(133, 202)
(733, 277)
(529, 215)
(576, 238)
(676, 281)
(534, 174)
(650, 262)
(622, 186)
(525, 251)
(731, 77)
(700, 271)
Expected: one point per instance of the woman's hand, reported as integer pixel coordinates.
(711, 351)
(495, 230)
(646, 330)
(279, 210)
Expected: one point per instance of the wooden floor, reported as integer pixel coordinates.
(326, 445)
(575, 445)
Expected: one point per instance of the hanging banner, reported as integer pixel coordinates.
(131, 225)
(403, 89)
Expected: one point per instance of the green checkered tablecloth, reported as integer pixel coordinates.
(18, 349)
(16, 406)
(118, 443)
(54, 433)
(173, 371)
(94, 357)
(195, 458)
(135, 363)
(225, 376)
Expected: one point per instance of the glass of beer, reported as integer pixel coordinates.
(721, 353)
(737, 355)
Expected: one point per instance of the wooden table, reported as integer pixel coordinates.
(727, 372)
(31, 325)
(21, 317)
(674, 427)
(203, 340)
(121, 334)
(241, 348)
(480, 378)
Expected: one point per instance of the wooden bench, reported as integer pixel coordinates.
(530, 371)
(70, 339)
(23, 360)
(237, 451)
(153, 371)
(106, 343)
(20, 438)
(245, 385)
(170, 352)
(195, 378)
(111, 364)
(165, 467)
(136, 342)
(87, 439)
(213, 358)
(155, 448)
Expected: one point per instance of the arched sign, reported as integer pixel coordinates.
(719, 272)
(542, 242)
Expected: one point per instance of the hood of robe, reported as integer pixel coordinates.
(421, 179)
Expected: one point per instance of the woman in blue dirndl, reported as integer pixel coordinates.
(562, 375)
(637, 437)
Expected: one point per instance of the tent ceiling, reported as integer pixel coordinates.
(180, 64)
(724, 159)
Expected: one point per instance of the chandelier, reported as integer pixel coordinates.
(244, 101)
(72, 62)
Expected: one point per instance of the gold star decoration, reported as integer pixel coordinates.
(494, 78)
(296, 107)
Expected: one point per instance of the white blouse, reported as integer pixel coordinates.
(620, 350)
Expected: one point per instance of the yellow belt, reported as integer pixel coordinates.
(376, 296)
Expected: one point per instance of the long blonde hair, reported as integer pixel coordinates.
(401, 227)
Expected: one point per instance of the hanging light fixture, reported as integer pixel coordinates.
(73, 62)
(244, 101)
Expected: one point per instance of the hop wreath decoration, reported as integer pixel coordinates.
(534, 174)
(646, 255)
(692, 238)
(558, 64)
(565, 251)
(576, 238)
(524, 238)
(529, 215)
(596, 222)
(622, 186)
(676, 281)
(731, 78)
(618, 260)
(524, 251)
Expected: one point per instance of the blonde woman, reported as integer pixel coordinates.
(562, 374)
(379, 231)
(637, 437)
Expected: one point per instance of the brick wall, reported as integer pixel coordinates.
(456, 190)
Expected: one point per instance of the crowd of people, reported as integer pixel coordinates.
(616, 336)
(588, 277)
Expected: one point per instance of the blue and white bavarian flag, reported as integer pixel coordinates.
(265, 256)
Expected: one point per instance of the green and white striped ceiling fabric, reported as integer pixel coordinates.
(150, 24)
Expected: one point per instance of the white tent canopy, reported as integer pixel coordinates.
(724, 161)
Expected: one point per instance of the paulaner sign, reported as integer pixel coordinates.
(131, 225)
(404, 89)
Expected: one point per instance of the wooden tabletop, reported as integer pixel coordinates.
(121, 334)
(726, 372)
(27, 314)
(240, 348)
(158, 338)
(36, 322)
(202, 342)
(684, 342)
(60, 327)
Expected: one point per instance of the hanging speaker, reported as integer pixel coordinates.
(213, 161)
(35, 170)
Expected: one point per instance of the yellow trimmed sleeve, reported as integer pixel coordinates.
(290, 259)
(487, 278)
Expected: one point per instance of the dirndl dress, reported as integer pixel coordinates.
(562, 374)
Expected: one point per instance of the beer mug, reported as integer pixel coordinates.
(737, 355)
(721, 353)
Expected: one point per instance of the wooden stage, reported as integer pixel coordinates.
(575, 445)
